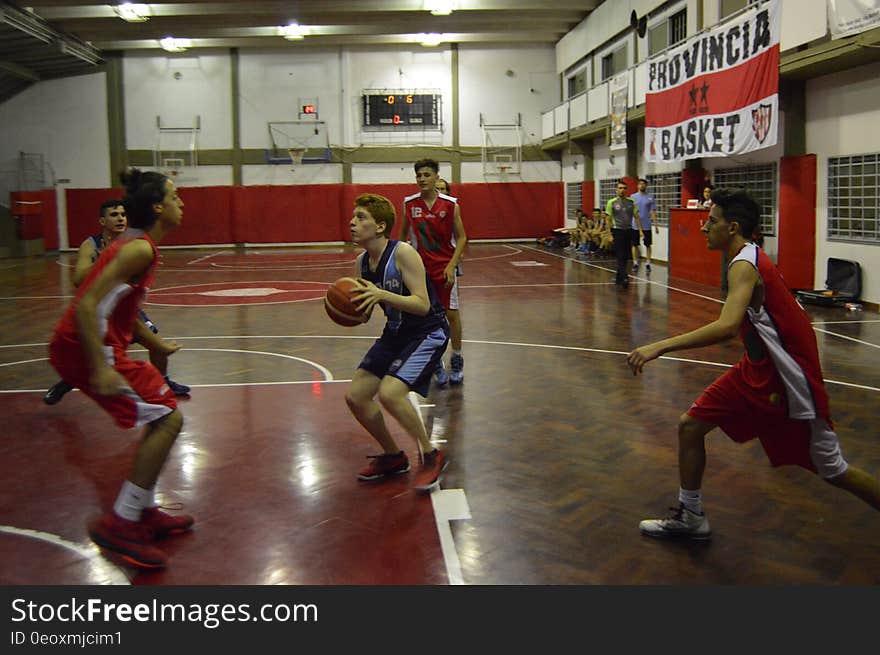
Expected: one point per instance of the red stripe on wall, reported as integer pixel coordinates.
(727, 91)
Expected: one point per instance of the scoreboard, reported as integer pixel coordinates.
(402, 110)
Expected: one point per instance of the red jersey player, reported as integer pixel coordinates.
(432, 223)
(775, 392)
(88, 349)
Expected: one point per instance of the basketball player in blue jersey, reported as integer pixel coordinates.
(404, 358)
(114, 221)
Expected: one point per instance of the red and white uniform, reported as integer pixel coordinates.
(779, 397)
(149, 397)
(432, 234)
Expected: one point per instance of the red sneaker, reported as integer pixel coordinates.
(128, 539)
(384, 465)
(163, 524)
(433, 464)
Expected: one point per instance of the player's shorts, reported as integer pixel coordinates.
(757, 407)
(411, 361)
(147, 399)
(647, 238)
(447, 295)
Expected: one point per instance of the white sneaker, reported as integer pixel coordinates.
(681, 522)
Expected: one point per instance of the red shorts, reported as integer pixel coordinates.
(749, 401)
(448, 296)
(147, 399)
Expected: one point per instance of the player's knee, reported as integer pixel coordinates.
(689, 429)
(390, 397)
(354, 400)
(172, 422)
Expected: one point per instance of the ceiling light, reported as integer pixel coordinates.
(133, 13)
(430, 40)
(440, 7)
(292, 32)
(171, 44)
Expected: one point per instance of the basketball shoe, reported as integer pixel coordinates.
(384, 465)
(440, 375)
(456, 366)
(128, 539)
(681, 522)
(56, 392)
(162, 524)
(176, 387)
(433, 464)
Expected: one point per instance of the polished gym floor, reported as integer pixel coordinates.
(556, 451)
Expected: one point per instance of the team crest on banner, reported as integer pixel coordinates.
(717, 94)
(762, 117)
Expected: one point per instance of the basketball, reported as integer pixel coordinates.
(338, 304)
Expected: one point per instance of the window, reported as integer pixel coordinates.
(666, 189)
(577, 83)
(853, 205)
(573, 199)
(614, 63)
(607, 190)
(667, 32)
(677, 27)
(658, 38)
(731, 6)
(760, 181)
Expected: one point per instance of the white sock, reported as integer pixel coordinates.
(131, 500)
(692, 500)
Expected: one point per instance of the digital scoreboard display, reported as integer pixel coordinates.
(402, 111)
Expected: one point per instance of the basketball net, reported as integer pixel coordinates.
(296, 155)
(503, 169)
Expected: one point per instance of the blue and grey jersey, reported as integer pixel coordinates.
(388, 276)
(98, 242)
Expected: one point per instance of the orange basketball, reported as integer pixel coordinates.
(338, 304)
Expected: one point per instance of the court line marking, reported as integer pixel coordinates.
(843, 336)
(662, 284)
(870, 320)
(201, 259)
(109, 571)
(686, 360)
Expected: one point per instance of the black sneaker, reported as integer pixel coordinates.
(56, 392)
(176, 387)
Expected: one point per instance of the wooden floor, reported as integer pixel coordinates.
(556, 450)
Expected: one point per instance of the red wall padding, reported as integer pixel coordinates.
(588, 196)
(321, 212)
(37, 221)
(796, 249)
(83, 206)
(693, 181)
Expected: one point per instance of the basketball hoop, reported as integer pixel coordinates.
(296, 155)
(503, 170)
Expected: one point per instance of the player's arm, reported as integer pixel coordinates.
(654, 221)
(638, 217)
(133, 259)
(741, 281)
(403, 235)
(83, 261)
(152, 341)
(410, 265)
(460, 243)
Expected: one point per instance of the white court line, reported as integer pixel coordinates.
(373, 338)
(201, 259)
(109, 572)
(870, 320)
(641, 279)
(450, 505)
(843, 336)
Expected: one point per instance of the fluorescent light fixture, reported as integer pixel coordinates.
(430, 40)
(133, 12)
(440, 7)
(292, 32)
(171, 44)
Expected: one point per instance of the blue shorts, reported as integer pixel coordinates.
(410, 360)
